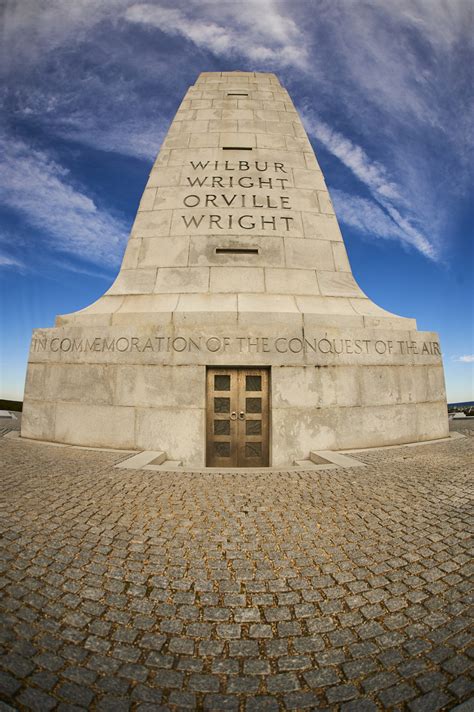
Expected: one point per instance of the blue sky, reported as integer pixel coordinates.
(385, 89)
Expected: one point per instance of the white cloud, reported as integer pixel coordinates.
(384, 190)
(370, 172)
(255, 29)
(140, 138)
(365, 215)
(7, 261)
(41, 190)
(466, 359)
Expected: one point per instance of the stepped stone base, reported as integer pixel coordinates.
(143, 387)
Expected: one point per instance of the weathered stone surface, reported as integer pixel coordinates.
(279, 590)
(236, 259)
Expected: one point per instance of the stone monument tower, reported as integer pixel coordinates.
(235, 334)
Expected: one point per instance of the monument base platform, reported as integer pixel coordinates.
(164, 386)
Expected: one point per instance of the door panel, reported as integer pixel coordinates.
(237, 417)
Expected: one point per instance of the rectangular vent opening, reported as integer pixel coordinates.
(236, 250)
(237, 148)
(235, 94)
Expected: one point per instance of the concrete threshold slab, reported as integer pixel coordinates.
(336, 458)
(143, 459)
(310, 465)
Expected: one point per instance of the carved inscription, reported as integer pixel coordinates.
(233, 177)
(238, 344)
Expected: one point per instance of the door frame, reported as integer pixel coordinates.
(208, 429)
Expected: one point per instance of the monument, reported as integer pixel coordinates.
(235, 334)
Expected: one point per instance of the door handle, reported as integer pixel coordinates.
(233, 415)
(241, 415)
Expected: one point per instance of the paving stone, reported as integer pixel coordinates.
(380, 681)
(283, 682)
(147, 694)
(341, 693)
(187, 700)
(395, 695)
(262, 703)
(462, 687)
(8, 685)
(243, 684)
(71, 692)
(359, 706)
(322, 678)
(204, 683)
(45, 680)
(301, 701)
(211, 607)
(36, 700)
(221, 703)
(431, 702)
(114, 685)
(168, 678)
(109, 703)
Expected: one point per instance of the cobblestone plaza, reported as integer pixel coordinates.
(345, 589)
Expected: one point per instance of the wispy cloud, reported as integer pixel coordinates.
(38, 188)
(387, 83)
(469, 358)
(256, 29)
(384, 216)
(7, 261)
(371, 172)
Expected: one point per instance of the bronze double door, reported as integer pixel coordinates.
(237, 417)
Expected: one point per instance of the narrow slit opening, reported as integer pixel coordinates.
(236, 250)
(237, 148)
(235, 94)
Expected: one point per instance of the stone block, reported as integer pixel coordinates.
(130, 258)
(35, 386)
(302, 252)
(38, 419)
(338, 284)
(95, 425)
(207, 303)
(179, 433)
(305, 178)
(321, 227)
(166, 387)
(297, 431)
(203, 251)
(154, 223)
(237, 140)
(303, 387)
(148, 199)
(326, 305)
(165, 251)
(237, 279)
(431, 420)
(192, 279)
(134, 281)
(81, 383)
(379, 385)
(149, 304)
(161, 177)
(341, 261)
(266, 302)
(291, 281)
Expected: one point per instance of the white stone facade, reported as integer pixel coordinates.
(235, 258)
